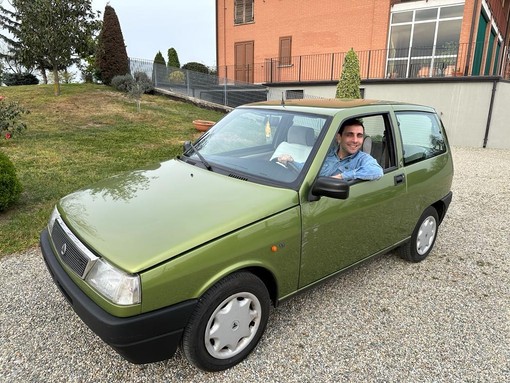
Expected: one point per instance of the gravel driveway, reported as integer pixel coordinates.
(446, 319)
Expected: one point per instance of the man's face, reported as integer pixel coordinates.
(351, 140)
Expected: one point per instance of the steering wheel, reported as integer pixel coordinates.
(289, 166)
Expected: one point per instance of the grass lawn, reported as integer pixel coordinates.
(88, 133)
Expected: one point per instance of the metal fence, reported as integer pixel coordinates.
(447, 60)
(206, 87)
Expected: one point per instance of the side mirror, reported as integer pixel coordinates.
(329, 187)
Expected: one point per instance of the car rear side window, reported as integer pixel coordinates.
(422, 135)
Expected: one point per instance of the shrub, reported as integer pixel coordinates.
(177, 77)
(135, 86)
(11, 79)
(10, 187)
(129, 84)
(10, 113)
(141, 85)
(123, 82)
(144, 82)
(196, 67)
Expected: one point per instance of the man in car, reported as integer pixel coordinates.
(345, 160)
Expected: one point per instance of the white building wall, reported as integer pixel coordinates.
(463, 106)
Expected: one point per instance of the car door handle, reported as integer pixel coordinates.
(399, 179)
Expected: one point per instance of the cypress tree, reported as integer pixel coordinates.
(173, 59)
(350, 80)
(111, 55)
(159, 59)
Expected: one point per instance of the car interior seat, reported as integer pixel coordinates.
(300, 140)
(367, 145)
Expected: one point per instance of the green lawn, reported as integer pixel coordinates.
(88, 133)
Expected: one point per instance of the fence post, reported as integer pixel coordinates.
(187, 83)
(332, 65)
(225, 92)
(299, 76)
(271, 75)
(368, 65)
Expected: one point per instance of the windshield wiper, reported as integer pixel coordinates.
(189, 144)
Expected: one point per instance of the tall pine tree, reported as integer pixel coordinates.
(111, 55)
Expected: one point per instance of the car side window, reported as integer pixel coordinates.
(421, 134)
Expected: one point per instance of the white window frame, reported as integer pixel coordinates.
(416, 6)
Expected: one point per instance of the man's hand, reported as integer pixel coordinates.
(339, 176)
(284, 158)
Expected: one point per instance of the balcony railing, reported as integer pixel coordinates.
(447, 60)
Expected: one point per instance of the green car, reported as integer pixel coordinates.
(194, 251)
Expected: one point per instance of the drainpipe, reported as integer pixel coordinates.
(491, 105)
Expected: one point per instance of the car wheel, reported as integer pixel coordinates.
(423, 237)
(227, 323)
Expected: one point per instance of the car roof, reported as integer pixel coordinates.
(336, 103)
(332, 106)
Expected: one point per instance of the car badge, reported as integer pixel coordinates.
(63, 249)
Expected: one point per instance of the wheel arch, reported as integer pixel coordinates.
(441, 206)
(264, 274)
(269, 280)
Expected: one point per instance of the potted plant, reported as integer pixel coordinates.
(203, 125)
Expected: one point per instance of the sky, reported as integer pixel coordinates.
(149, 26)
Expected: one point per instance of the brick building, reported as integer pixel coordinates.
(278, 41)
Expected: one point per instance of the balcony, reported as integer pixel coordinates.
(446, 61)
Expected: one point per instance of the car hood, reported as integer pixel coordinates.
(139, 219)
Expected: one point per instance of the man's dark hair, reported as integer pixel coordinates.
(350, 122)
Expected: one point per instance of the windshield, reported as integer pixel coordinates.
(248, 141)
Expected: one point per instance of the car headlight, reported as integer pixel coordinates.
(114, 284)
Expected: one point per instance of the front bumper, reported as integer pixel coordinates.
(144, 338)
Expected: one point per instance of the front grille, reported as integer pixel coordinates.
(72, 252)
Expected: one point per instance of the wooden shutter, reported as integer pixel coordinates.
(243, 11)
(285, 50)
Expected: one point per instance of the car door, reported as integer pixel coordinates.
(339, 233)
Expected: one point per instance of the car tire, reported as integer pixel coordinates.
(423, 238)
(227, 323)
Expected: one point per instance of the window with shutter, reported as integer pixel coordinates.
(285, 50)
(243, 11)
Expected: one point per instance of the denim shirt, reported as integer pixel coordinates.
(361, 166)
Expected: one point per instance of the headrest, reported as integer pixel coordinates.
(301, 135)
(367, 145)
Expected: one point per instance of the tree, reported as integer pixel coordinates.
(173, 59)
(196, 67)
(111, 55)
(9, 53)
(348, 86)
(159, 71)
(159, 59)
(52, 33)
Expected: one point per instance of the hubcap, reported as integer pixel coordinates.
(426, 235)
(233, 325)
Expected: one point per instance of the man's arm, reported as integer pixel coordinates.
(366, 168)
